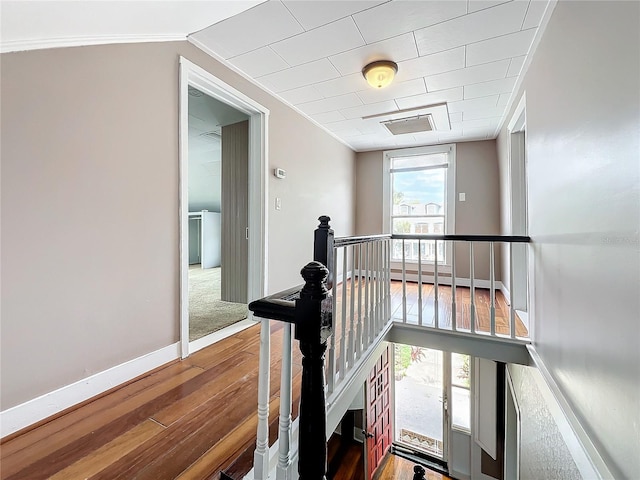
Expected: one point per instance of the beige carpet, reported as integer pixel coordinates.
(207, 313)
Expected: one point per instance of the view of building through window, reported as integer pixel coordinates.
(418, 188)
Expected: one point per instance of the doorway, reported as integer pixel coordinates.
(209, 111)
(432, 402)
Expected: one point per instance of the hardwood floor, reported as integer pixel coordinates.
(398, 468)
(190, 419)
(463, 307)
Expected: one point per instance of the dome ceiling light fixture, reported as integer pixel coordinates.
(381, 73)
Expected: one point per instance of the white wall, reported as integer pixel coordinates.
(583, 126)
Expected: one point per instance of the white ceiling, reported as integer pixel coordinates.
(467, 53)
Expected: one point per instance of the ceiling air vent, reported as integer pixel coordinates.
(400, 126)
(422, 119)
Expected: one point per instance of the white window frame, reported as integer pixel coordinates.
(450, 194)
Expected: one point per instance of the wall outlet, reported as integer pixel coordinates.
(278, 203)
(462, 197)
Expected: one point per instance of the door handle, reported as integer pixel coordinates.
(367, 434)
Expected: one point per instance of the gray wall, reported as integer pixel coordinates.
(476, 175)
(583, 124)
(90, 233)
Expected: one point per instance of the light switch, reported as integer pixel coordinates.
(278, 203)
(462, 196)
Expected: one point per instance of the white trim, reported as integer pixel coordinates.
(221, 334)
(22, 45)
(460, 281)
(192, 74)
(584, 453)
(546, 16)
(505, 292)
(511, 392)
(28, 413)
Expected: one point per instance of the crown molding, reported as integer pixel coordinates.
(62, 42)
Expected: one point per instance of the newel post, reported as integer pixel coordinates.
(313, 328)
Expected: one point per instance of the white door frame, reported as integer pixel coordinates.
(520, 297)
(192, 74)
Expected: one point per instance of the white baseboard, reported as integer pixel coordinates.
(214, 337)
(32, 411)
(460, 281)
(506, 293)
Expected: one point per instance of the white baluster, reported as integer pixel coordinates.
(404, 286)
(492, 287)
(472, 291)
(435, 284)
(367, 313)
(261, 454)
(284, 467)
(360, 309)
(512, 310)
(419, 283)
(388, 279)
(352, 339)
(331, 362)
(454, 326)
(343, 323)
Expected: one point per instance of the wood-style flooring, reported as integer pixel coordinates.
(445, 307)
(398, 468)
(190, 419)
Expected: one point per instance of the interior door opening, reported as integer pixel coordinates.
(214, 115)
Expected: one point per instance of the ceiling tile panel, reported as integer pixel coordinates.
(395, 18)
(484, 89)
(314, 13)
(516, 66)
(301, 95)
(534, 14)
(327, 117)
(259, 62)
(299, 76)
(395, 90)
(431, 64)
(485, 113)
(499, 48)
(450, 95)
(321, 42)
(471, 28)
(402, 47)
(341, 85)
(475, 5)
(474, 104)
(263, 24)
(369, 109)
(468, 76)
(455, 117)
(329, 104)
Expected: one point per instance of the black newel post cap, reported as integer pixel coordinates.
(313, 308)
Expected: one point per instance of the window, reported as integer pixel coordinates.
(460, 392)
(419, 190)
